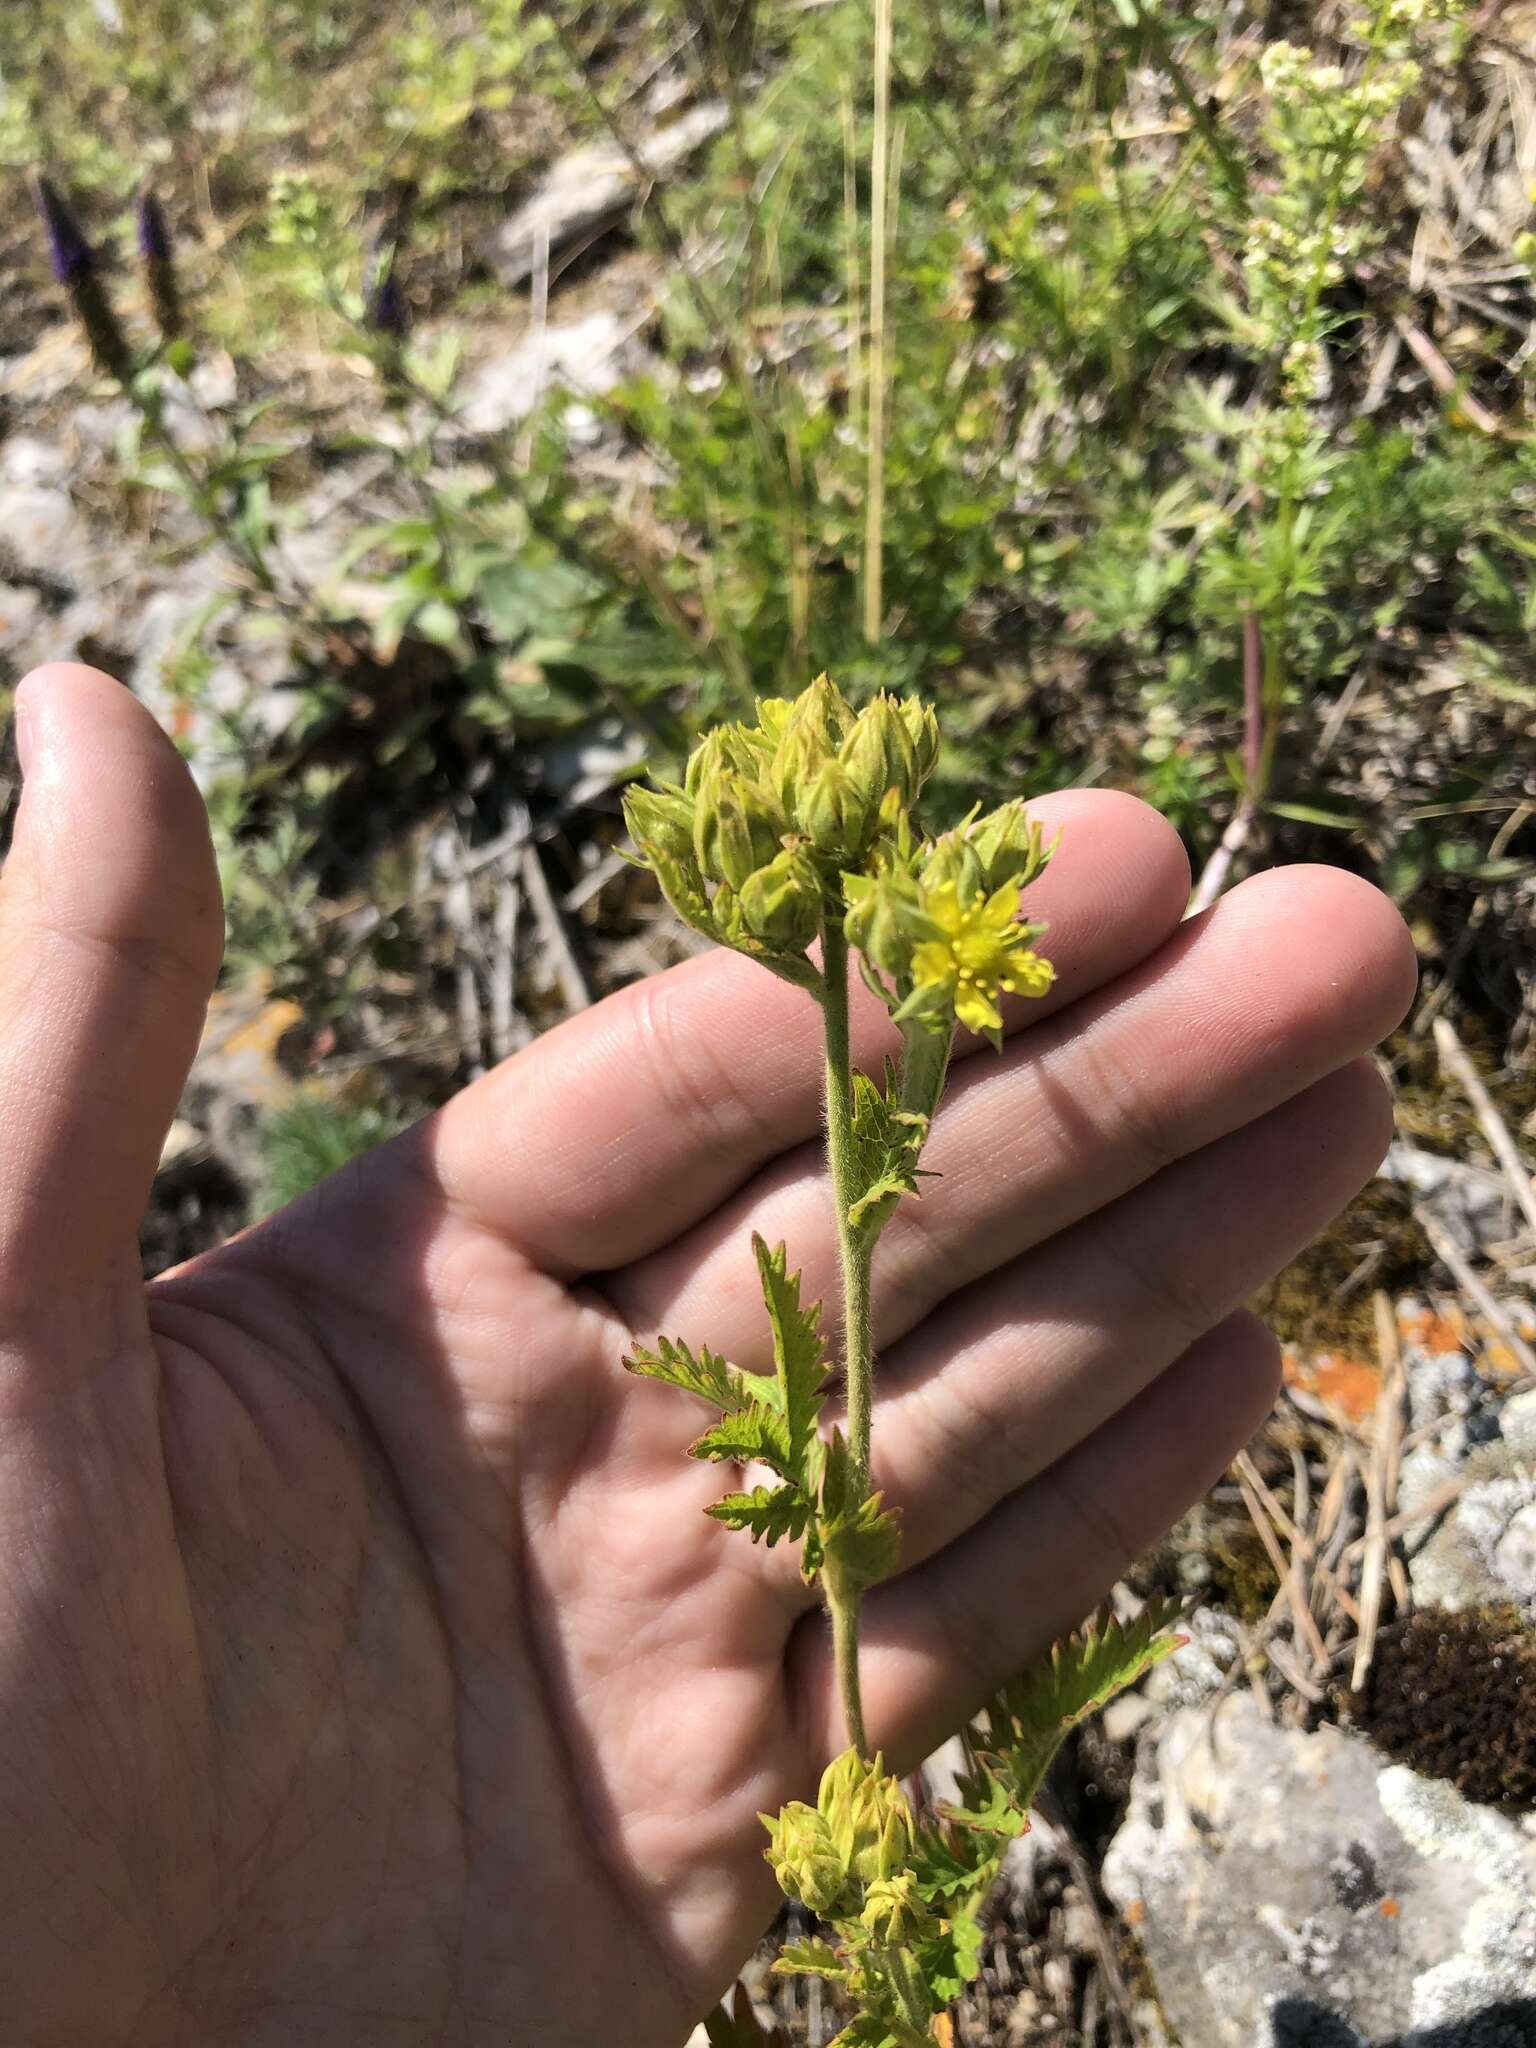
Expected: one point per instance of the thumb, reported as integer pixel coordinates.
(111, 929)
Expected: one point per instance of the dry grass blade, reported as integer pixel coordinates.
(1454, 1060)
(1451, 1256)
(1301, 1614)
(1380, 1487)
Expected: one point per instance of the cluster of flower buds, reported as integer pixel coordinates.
(938, 922)
(849, 1851)
(752, 846)
(805, 818)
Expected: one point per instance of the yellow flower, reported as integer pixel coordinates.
(977, 950)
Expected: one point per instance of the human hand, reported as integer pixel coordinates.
(364, 1677)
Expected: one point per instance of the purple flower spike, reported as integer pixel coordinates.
(154, 235)
(158, 259)
(69, 252)
(387, 311)
(75, 267)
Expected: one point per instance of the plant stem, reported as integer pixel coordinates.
(855, 1254)
(844, 1611)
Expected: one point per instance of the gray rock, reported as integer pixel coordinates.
(1277, 1899)
(1483, 1553)
(1494, 1969)
(591, 190)
(588, 356)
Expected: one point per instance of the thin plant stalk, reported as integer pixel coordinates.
(874, 528)
(855, 286)
(855, 1256)
(1258, 757)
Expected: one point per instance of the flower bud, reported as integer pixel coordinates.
(804, 1857)
(808, 735)
(840, 1783)
(1008, 847)
(772, 717)
(866, 1816)
(781, 903)
(894, 1912)
(736, 829)
(660, 819)
(731, 747)
(923, 726)
(825, 709)
(951, 862)
(882, 1830)
(878, 921)
(834, 813)
(879, 753)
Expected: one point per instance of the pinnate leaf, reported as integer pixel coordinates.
(800, 1361)
(750, 1434)
(768, 1513)
(1031, 1718)
(703, 1373)
(810, 1959)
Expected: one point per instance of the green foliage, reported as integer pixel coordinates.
(311, 1136)
(1019, 1733)
(769, 1420)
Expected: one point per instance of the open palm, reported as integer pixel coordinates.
(368, 1670)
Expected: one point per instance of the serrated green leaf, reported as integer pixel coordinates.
(865, 2033)
(1031, 1718)
(704, 1373)
(800, 1362)
(861, 1546)
(859, 1538)
(949, 1963)
(987, 1807)
(810, 1959)
(749, 1434)
(885, 1143)
(767, 1513)
(957, 1864)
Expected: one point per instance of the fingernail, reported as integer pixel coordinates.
(23, 728)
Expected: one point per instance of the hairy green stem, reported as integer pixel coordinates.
(855, 1254)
